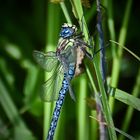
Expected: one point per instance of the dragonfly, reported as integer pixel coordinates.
(63, 64)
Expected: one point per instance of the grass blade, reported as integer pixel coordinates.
(13, 115)
(137, 57)
(125, 98)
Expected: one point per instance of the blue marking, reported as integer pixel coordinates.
(66, 32)
(63, 93)
(65, 86)
(65, 82)
(71, 72)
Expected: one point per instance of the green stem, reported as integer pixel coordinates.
(106, 109)
(94, 127)
(111, 28)
(65, 11)
(118, 56)
(52, 29)
(122, 38)
(82, 110)
(79, 12)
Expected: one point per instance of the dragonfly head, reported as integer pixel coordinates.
(67, 30)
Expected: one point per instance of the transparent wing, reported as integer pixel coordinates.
(50, 90)
(48, 60)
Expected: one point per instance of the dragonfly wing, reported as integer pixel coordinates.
(48, 60)
(50, 90)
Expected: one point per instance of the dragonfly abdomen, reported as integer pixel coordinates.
(65, 86)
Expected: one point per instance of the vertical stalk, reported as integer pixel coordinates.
(106, 109)
(82, 111)
(118, 56)
(82, 125)
(78, 10)
(65, 11)
(52, 29)
(102, 69)
(111, 27)
(122, 38)
(102, 128)
(101, 44)
(94, 127)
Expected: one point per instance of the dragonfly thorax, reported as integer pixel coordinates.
(63, 43)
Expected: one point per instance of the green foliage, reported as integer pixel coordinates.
(35, 25)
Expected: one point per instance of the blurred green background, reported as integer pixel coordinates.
(27, 25)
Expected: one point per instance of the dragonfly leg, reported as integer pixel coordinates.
(80, 41)
(87, 53)
(79, 35)
(71, 93)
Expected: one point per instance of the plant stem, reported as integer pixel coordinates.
(82, 111)
(78, 10)
(122, 38)
(52, 29)
(106, 109)
(111, 28)
(118, 55)
(65, 11)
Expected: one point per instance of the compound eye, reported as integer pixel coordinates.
(66, 32)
